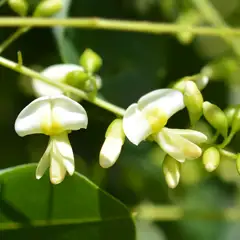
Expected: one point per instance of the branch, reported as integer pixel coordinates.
(117, 25)
(66, 88)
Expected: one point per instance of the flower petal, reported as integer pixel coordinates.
(176, 146)
(57, 168)
(44, 162)
(30, 118)
(135, 125)
(56, 73)
(167, 100)
(68, 113)
(110, 151)
(64, 150)
(191, 135)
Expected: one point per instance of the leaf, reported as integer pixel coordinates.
(74, 209)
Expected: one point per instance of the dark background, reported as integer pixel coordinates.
(133, 64)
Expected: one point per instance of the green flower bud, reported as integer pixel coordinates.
(221, 68)
(189, 18)
(19, 6)
(211, 159)
(238, 163)
(216, 117)
(47, 8)
(171, 169)
(236, 120)
(193, 100)
(76, 78)
(229, 112)
(91, 61)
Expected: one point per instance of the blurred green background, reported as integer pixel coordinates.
(133, 64)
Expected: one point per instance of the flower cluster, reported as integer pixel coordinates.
(56, 113)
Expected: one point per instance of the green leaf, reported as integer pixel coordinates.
(74, 209)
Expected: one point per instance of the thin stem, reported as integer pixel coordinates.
(228, 154)
(174, 213)
(227, 140)
(13, 37)
(65, 88)
(211, 14)
(118, 25)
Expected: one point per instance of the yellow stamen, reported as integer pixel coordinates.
(157, 119)
(50, 125)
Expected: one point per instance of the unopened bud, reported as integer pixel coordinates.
(47, 8)
(229, 112)
(236, 120)
(111, 149)
(90, 61)
(77, 78)
(171, 169)
(193, 100)
(188, 19)
(216, 117)
(211, 159)
(19, 6)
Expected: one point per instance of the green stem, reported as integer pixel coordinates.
(211, 14)
(227, 140)
(65, 88)
(13, 37)
(174, 213)
(228, 154)
(118, 25)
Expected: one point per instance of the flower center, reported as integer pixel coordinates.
(157, 119)
(50, 126)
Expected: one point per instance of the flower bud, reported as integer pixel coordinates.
(171, 170)
(200, 80)
(188, 19)
(76, 78)
(211, 159)
(229, 112)
(193, 100)
(90, 60)
(236, 120)
(216, 117)
(111, 148)
(19, 6)
(238, 163)
(47, 8)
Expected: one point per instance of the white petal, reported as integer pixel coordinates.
(44, 162)
(191, 135)
(167, 100)
(177, 146)
(68, 113)
(56, 73)
(30, 118)
(57, 168)
(64, 150)
(135, 125)
(110, 151)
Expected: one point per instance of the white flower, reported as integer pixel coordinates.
(148, 118)
(112, 145)
(54, 116)
(56, 73)
(151, 113)
(181, 144)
